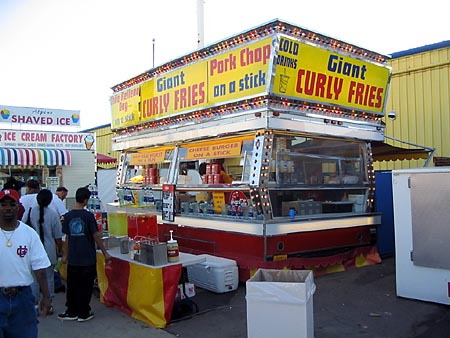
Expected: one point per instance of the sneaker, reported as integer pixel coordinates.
(67, 316)
(86, 318)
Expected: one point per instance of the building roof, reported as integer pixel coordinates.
(422, 49)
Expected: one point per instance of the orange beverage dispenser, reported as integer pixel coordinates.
(142, 224)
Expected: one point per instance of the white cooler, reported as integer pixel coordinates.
(216, 274)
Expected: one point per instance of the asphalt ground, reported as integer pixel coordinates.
(358, 303)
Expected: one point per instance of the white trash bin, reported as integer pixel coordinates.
(280, 304)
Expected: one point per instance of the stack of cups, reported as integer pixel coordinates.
(151, 176)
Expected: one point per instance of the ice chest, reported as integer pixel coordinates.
(216, 274)
(280, 304)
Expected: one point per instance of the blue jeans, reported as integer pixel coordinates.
(18, 317)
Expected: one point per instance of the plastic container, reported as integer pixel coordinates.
(173, 253)
(117, 223)
(280, 304)
(142, 224)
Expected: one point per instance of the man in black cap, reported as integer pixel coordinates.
(22, 255)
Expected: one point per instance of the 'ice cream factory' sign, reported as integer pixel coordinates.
(48, 140)
(39, 116)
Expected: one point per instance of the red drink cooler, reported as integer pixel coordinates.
(147, 226)
(132, 225)
(142, 225)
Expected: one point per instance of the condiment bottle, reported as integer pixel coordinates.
(173, 254)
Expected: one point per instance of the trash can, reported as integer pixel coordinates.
(280, 304)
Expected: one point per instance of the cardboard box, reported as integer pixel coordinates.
(337, 207)
(189, 289)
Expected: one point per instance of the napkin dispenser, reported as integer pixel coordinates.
(153, 253)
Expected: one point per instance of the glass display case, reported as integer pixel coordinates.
(317, 176)
(302, 176)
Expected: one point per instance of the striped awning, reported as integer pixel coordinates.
(21, 156)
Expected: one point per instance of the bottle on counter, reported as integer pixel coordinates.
(173, 254)
(251, 212)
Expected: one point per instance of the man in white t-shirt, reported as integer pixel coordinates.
(29, 200)
(22, 255)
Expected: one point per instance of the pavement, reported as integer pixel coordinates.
(357, 303)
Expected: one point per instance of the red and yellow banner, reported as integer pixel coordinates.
(143, 292)
(319, 75)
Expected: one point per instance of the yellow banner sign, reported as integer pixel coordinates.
(315, 74)
(219, 150)
(174, 92)
(240, 73)
(234, 75)
(147, 158)
(125, 107)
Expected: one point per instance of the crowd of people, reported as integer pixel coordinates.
(37, 231)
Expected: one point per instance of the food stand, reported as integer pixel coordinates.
(291, 115)
(33, 151)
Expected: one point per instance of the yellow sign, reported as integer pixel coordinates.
(174, 92)
(219, 200)
(217, 150)
(147, 158)
(315, 74)
(239, 73)
(234, 75)
(125, 107)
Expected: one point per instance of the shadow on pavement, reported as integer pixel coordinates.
(358, 303)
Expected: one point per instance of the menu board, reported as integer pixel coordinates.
(168, 201)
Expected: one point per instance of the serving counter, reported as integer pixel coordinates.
(144, 292)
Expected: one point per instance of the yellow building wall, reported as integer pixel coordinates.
(103, 137)
(420, 95)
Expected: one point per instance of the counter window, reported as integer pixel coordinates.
(299, 160)
(150, 167)
(209, 168)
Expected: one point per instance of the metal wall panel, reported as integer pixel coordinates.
(420, 95)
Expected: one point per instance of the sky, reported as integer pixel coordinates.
(67, 54)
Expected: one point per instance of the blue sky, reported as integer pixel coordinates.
(67, 54)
